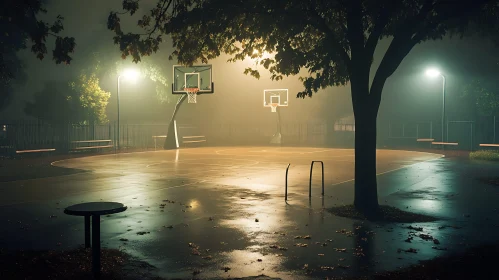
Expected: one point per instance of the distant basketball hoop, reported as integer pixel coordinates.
(191, 94)
(274, 98)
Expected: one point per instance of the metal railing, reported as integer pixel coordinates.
(310, 181)
(286, 184)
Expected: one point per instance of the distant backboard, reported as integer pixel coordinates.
(275, 96)
(196, 76)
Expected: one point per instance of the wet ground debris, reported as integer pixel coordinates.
(385, 213)
(475, 263)
(75, 264)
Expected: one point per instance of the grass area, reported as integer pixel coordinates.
(475, 263)
(74, 264)
(485, 155)
(385, 213)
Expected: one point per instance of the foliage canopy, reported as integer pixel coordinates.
(81, 101)
(484, 96)
(331, 39)
(19, 24)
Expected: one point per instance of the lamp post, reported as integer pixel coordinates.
(129, 74)
(435, 73)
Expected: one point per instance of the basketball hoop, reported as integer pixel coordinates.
(191, 94)
(273, 106)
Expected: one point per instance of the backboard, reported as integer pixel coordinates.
(275, 96)
(196, 76)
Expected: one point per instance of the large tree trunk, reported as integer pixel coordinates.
(366, 192)
(365, 103)
(171, 141)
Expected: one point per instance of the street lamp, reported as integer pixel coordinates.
(130, 74)
(433, 73)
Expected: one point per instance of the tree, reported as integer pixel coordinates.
(333, 40)
(484, 96)
(55, 104)
(19, 23)
(91, 98)
(78, 102)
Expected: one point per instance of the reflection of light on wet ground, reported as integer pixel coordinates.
(245, 263)
(193, 203)
(428, 204)
(228, 190)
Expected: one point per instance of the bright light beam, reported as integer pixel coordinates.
(432, 72)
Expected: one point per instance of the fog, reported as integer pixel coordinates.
(408, 95)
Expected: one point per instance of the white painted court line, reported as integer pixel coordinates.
(384, 172)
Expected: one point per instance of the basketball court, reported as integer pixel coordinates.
(229, 200)
(209, 208)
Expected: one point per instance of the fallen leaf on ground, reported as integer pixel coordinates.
(426, 237)
(415, 228)
(123, 239)
(143, 232)
(343, 266)
(411, 250)
(439, 248)
(195, 252)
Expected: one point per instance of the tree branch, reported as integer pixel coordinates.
(321, 25)
(384, 16)
(162, 14)
(355, 31)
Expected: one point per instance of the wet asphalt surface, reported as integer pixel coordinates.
(221, 211)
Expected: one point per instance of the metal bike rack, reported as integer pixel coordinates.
(310, 182)
(286, 189)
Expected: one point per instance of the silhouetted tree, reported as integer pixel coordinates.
(334, 40)
(484, 96)
(78, 102)
(20, 28)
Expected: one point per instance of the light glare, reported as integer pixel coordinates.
(433, 73)
(131, 74)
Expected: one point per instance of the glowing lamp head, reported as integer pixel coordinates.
(432, 73)
(131, 74)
